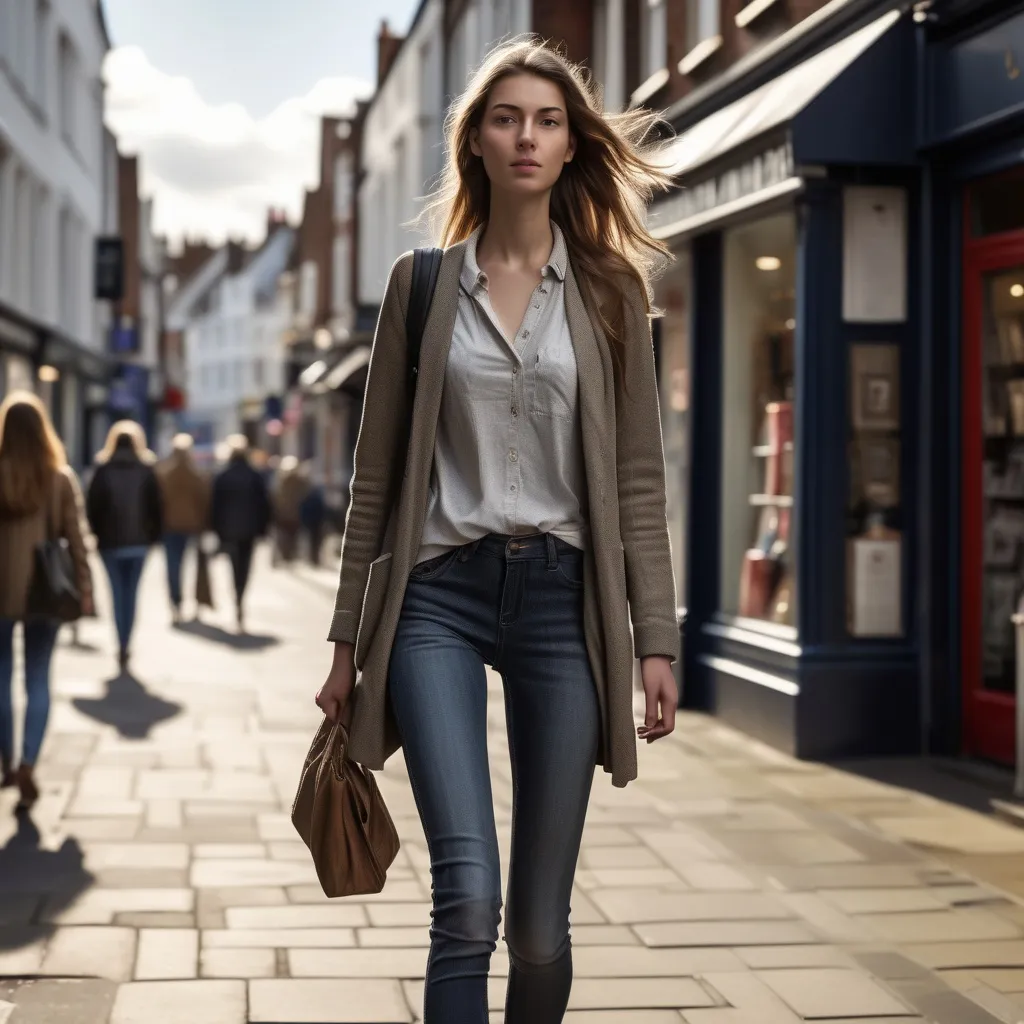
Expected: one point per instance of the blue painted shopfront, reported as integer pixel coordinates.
(874, 110)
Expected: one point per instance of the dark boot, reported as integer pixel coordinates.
(27, 787)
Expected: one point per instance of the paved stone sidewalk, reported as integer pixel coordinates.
(159, 879)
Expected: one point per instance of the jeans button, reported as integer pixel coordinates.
(513, 546)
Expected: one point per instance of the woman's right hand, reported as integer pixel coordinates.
(333, 697)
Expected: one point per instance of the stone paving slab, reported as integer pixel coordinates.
(160, 879)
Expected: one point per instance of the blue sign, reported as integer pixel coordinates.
(273, 409)
(129, 392)
(124, 340)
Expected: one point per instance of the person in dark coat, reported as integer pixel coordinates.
(125, 513)
(313, 514)
(240, 515)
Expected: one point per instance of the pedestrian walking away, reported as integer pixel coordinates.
(508, 509)
(291, 487)
(185, 497)
(313, 514)
(240, 515)
(125, 513)
(39, 500)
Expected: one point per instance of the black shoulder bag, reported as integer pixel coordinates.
(53, 592)
(426, 263)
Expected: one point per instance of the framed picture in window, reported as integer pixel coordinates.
(875, 387)
(876, 470)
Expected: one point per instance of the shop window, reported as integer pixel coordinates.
(759, 308)
(1002, 472)
(672, 297)
(997, 204)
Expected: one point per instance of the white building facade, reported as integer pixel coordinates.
(402, 150)
(233, 324)
(52, 205)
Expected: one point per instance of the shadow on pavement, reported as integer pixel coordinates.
(243, 642)
(30, 876)
(129, 707)
(969, 784)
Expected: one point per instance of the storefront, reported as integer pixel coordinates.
(789, 322)
(973, 389)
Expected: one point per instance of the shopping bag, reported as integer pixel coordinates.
(204, 594)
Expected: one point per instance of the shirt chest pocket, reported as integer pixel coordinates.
(551, 379)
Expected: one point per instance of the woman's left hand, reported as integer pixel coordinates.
(661, 690)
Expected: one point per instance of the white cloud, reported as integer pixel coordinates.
(214, 170)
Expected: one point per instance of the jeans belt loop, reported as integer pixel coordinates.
(552, 552)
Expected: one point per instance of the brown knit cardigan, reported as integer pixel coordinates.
(628, 565)
(19, 537)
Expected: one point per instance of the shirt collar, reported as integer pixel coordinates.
(472, 275)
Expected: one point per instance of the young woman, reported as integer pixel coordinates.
(39, 498)
(125, 513)
(526, 526)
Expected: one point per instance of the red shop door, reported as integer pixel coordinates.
(993, 461)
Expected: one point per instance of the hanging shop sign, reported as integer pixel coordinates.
(756, 179)
(108, 269)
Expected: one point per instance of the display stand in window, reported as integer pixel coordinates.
(766, 582)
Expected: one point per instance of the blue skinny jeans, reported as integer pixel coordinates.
(124, 567)
(175, 546)
(40, 638)
(517, 605)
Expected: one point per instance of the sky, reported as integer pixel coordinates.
(221, 100)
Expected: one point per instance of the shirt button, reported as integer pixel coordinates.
(536, 305)
(512, 488)
(515, 369)
(526, 334)
(513, 455)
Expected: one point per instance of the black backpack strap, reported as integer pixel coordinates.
(426, 263)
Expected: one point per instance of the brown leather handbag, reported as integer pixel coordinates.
(341, 816)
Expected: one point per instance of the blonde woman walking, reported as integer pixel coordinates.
(123, 505)
(523, 524)
(39, 499)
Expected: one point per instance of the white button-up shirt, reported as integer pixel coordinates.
(508, 454)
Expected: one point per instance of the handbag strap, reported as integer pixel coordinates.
(53, 508)
(426, 264)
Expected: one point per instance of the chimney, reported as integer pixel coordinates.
(388, 46)
(128, 213)
(275, 218)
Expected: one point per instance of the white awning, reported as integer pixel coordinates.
(355, 360)
(772, 105)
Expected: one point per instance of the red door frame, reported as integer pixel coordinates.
(989, 719)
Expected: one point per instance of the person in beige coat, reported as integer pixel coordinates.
(290, 489)
(39, 499)
(185, 497)
(513, 516)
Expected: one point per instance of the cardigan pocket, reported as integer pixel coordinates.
(373, 606)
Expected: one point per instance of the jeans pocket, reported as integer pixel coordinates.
(433, 568)
(570, 572)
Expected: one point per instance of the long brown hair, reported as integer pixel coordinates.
(600, 198)
(30, 454)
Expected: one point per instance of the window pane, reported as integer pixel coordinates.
(672, 296)
(997, 204)
(758, 543)
(1002, 472)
